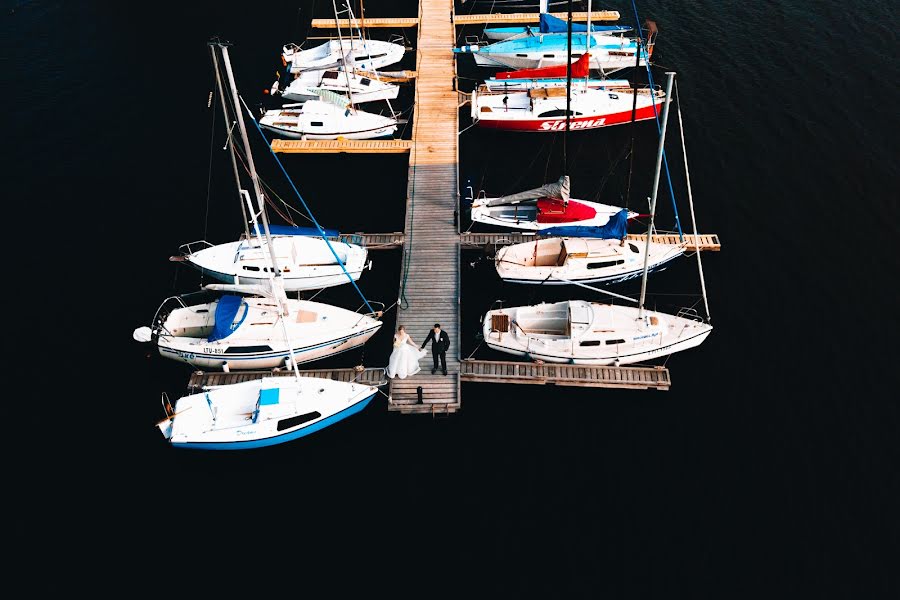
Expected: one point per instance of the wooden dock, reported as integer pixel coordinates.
(201, 379)
(581, 16)
(489, 371)
(429, 278)
(342, 146)
(701, 242)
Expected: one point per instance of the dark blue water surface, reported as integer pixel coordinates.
(769, 469)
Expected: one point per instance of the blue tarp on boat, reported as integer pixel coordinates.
(550, 24)
(226, 310)
(308, 231)
(613, 230)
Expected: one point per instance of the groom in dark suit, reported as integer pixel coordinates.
(440, 342)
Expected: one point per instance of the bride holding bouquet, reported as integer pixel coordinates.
(404, 361)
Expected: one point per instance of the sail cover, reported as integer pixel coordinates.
(551, 24)
(226, 310)
(558, 190)
(580, 68)
(613, 230)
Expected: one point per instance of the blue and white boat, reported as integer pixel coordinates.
(241, 332)
(261, 412)
(550, 24)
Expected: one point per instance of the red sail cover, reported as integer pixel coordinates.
(554, 211)
(580, 68)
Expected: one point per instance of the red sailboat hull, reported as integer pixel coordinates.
(556, 124)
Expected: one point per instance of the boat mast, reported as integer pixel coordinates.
(337, 23)
(277, 281)
(246, 142)
(229, 142)
(568, 91)
(587, 43)
(670, 77)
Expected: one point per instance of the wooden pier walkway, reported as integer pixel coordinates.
(596, 15)
(342, 146)
(490, 371)
(703, 241)
(370, 376)
(429, 278)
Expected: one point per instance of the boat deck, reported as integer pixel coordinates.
(429, 278)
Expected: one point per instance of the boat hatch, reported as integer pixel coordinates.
(579, 313)
(500, 322)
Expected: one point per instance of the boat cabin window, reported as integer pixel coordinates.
(298, 420)
(549, 55)
(614, 96)
(316, 123)
(603, 265)
(558, 113)
(365, 81)
(377, 55)
(247, 349)
(590, 343)
(611, 342)
(522, 55)
(249, 268)
(633, 248)
(330, 75)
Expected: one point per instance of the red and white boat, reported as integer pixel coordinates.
(535, 100)
(542, 208)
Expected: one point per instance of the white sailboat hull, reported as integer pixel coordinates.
(306, 263)
(317, 120)
(262, 412)
(360, 89)
(362, 53)
(561, 261)
(590, 333)
(316, 331)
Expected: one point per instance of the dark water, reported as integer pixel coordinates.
(770, 468)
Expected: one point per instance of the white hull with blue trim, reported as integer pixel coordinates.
(563, 260)
(239, 333)
(608, 53)
(261, 412)
(590, 333)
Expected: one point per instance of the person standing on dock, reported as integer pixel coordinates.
(440, 343)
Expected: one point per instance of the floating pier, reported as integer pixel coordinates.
(703, 241)
(342, 146)
(200, 379)
(596, 15)
(491, 371)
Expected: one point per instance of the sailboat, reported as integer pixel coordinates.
(543, 208)
(549, 77)
(532, 50)
(330, 117)
(261, 412)
(234, 332)
(550, 24)
(565, 260)
(366, 54)
(243, 332)
(593, 333)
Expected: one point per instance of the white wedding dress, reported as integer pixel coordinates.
(404, 361)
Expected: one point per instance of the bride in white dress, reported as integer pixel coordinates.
(404, 361)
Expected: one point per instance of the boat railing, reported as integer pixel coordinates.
(376, 314)
(188, 249)
(689, 313)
